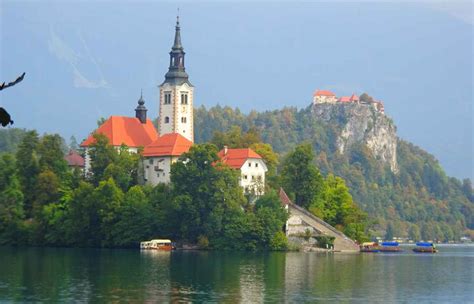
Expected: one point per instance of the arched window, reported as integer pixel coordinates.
(167, 119)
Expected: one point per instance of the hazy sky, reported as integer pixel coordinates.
(87, 59)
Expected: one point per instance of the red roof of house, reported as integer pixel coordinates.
(345, 99)
(285, 200)
(125, 130)
(74, 159)
(354, 97)
(235, 158)
(323, 93)
(172, 144)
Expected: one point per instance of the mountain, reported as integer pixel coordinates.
(403, 188)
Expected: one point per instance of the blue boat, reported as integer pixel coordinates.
(390, 247)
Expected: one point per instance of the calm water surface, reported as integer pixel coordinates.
(99, 275)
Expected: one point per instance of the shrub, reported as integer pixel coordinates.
(325, 241)
(279, 241)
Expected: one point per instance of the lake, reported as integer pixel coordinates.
(107, 275)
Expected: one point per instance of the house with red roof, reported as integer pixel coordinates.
(134, 132)
(324, 96)
(161, 154)
(251, 166)
(354, 98)
(74, 160)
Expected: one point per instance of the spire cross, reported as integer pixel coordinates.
(177, 18)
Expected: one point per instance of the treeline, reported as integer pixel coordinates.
(43, 202)
(420, 202)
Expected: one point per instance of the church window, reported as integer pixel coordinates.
(256, 165)
(151, 161)
(250, 164)
(184, 98)
(167, 98)
(245, 177)
(167, 119)
(183, 119)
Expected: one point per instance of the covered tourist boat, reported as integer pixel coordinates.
(425, 247)
(390, 247)
(369, 247)
(157, 244)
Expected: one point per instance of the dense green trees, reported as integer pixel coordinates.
(110, 208)
(419, 195)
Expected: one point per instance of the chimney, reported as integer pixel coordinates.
(225, 150)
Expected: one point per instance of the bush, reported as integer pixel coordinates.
(279, 241)
(203, 242)
(325, 241)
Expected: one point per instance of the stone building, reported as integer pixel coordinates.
(324, 96)
(161, 154)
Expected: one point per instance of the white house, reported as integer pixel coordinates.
(251, 165)
(161, 154)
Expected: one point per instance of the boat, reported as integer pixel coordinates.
(369, 247)
(158, 244)
(390, 247)
(425, 247)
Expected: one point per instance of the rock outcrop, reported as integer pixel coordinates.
(360, 123)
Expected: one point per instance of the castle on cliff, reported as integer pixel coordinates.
(325, 96)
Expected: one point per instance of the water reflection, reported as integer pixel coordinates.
(64, 275)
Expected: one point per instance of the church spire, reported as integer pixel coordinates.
(176, 72)
(177, 36)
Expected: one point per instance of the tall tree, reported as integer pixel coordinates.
(27, 161)
(300, 176)
(11, 202)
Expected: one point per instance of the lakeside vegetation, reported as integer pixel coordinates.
(43, 202)
(420, 202)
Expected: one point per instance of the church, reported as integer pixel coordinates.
(176, 130)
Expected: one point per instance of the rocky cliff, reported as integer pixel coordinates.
(361, 124)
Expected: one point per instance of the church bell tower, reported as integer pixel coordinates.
(176, 94)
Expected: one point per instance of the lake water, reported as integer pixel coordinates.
(106, 275)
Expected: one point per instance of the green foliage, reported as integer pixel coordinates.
(300, 176)
(279, 241)
(325, 241)
(10, 139)
(420, 193)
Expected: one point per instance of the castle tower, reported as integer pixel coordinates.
(176, 94)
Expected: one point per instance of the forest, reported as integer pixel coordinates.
(418, 202)
(43, 202)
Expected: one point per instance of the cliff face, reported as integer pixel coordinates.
(362, 124)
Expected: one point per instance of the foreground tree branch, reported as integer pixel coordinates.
(5, 118)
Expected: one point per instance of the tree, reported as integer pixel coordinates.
(204, 192)
(51, 149)
(135, 219)
(11, 202)
(300, 176)
(102, 154)
(27, 163)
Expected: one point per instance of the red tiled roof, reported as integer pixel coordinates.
(235, 158)
(354, 97)
(125, 130)
(345, 99)
(172, 144)
(323, 93)
(74, 159)
(285, 200)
